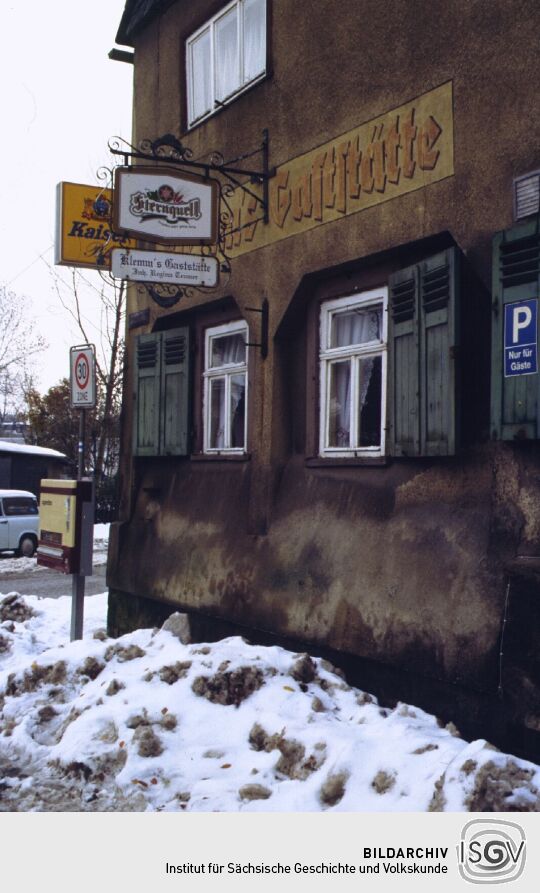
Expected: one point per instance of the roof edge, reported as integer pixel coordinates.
(136, 16)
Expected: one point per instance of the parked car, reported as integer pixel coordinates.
(19, 522)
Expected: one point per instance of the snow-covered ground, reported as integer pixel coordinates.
(145, 722)
(101, 541)
(14, 565)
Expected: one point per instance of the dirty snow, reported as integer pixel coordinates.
(145, 723)
(101, 541)
(9, 565)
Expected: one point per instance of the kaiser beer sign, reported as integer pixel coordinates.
(84, 236)
(161, 205)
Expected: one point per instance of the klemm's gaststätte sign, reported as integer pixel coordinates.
(160, 266)
(398, 152)
(161, 205)
(84, 236)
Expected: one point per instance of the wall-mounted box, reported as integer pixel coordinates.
(66, 520)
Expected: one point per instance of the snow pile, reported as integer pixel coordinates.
(101, 542)
(9, 446)
(9, 565)
(146, 723)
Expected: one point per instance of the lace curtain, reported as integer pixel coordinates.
(350, 328)
(202, 88)
(229, 349)
(227, 56)
(254, 38)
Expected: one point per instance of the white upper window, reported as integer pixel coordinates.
(225, 388)
(353, 374)
(225, 56)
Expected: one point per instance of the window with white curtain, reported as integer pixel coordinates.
(225, 56)
(225, 388)
(353, 374)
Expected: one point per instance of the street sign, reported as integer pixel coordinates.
(521, 338)
(82, 376)
(160, 266)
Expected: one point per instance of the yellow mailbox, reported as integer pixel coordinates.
(66, 517)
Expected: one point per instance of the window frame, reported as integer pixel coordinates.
(210, 27)
(329, 355)
(19, 502)
(225, 371)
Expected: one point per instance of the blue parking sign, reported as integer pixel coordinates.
(520, 338)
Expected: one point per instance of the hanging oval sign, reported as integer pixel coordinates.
(163, 206)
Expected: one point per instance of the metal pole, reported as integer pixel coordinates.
(77, 580)
(80, 466)
(77, 606)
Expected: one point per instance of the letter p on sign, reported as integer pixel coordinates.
(520, 323)
(522, 320)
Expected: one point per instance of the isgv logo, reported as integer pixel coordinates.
(491, 852)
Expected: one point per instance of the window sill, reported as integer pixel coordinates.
(220, 457)
(230, 100)
(339, 461)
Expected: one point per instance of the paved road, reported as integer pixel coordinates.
(45, 582)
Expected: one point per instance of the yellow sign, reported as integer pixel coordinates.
(84, 235)
(57, 512)
(398, 152)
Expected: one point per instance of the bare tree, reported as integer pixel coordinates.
(109, 356)
(20, 343)
(50, 417)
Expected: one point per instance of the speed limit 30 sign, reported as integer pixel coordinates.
(82, 376)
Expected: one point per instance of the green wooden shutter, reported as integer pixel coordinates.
(516, 277)
(146, 395)
(439, 304)
(174, 406)
(422, 351)
(403, 362)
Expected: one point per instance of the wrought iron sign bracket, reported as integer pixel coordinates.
(169, 150)
(167, 295)
(263, 343)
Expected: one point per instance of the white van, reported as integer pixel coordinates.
(19, 522)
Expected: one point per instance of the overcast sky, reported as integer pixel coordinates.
(61, 99)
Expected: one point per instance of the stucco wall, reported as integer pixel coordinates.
(402, 563)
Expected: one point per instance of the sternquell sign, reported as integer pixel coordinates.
(160, 205)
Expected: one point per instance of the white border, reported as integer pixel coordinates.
(230, 328)
(328, 355)
(209, 26)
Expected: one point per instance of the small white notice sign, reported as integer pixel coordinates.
(164, 267)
